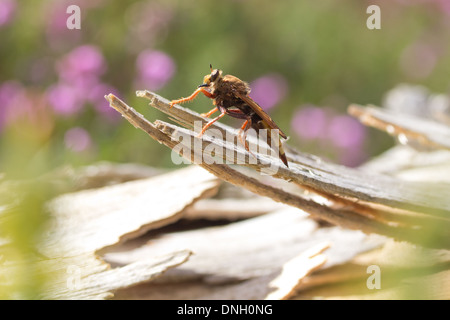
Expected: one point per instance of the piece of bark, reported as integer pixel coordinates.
(83, 224)
(279, 285)
(314, 172)
(404, 127)
(372, 203)
(230, 209)
(90, 220)
(430, 287)
(86, 277)
(399, 263)
(97, 175)
(295, 270)
(242, 251)
(402, 158)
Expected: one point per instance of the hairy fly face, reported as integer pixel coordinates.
(212, 78)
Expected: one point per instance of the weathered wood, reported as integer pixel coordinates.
(357, 199)
(81, 225)
(242, 260)
(405, 127)
(84, 224)
(230, 209)
(86, 277)
(233, 250)
(406, 272)
(327, 177)
(96, 175)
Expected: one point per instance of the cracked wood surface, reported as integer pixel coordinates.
(373, 203)
(84, 224)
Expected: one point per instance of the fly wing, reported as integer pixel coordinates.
(260, 112)
(277, 146)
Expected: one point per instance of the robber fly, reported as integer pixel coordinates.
(230, 96)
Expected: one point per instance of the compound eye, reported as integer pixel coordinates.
(214, 75)
(207, 79)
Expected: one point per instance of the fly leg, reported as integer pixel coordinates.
(231, 112)
(192, 96)
(206, 126)
(236, 113)
(208, 114)
(243, 134)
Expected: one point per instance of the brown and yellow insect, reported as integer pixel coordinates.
(230, 96)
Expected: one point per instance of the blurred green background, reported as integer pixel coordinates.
(306, 61)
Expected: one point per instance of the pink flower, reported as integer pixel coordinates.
(26, 107)
(445, 6)
(310, 122)
(155, 69)
(9, 91)
(77, 139)
(64, 99)
(96, 96)
(346, 132)
(269, 90)
(79, 83)
(86, 61)
(7, 11)
(342, 135)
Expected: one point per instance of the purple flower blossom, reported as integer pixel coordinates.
(445, 6)
(8, 91)
(310, 122)
(79, 82)
(64, 99)
(97, 97)
(69, 99)
(11, 93)
(7, 11)
(28, 108)
(343, 135)
(346, 132)
(81, 62)
(77, 139)
(155, 69)
(269, 90)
